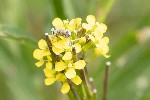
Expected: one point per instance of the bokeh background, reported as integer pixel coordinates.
(24, 22)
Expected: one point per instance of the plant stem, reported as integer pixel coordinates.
(73, 89)
(54, 57)
(94, 90)
(106, 81)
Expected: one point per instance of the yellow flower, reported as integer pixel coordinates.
(67, 35)
(91, 22)
(98, 32)
(65, 88)
(61, 77)
(65, 24)
(71, 73)
(59, 46)
(59, 66)
(40, 53)
(102, 48)
(74, 24)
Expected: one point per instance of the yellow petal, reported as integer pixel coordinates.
(67, 56)
(49, 58)
(106, 40)
(48, 72)
(65, 43)
(49, 65)
(58, 23)
(87, 26)
(65, 88)
(77, 80)
(77, 47)
(40, 63)
(49, 81)
(57, 51)
(59, 66)
(90, 19)
(79, 64)
(98, 35)
(102, 27)
(72, 25)
(71, 73)
(60, 77)
(38, 54)
(46, 53)
(58, 44)
(42, 44)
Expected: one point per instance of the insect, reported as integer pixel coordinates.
(64, 33)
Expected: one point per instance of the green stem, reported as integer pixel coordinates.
(73, 90)
(106, 81)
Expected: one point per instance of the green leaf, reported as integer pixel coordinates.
(7, 31)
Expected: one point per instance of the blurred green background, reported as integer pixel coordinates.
(24, 22)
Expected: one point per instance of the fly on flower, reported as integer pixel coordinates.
(63, 51)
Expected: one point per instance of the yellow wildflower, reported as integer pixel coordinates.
(40, 53)
(61, 77)
(71, 73)
(60, 46)
(60, 58)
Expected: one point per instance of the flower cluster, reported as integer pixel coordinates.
(63, 50)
